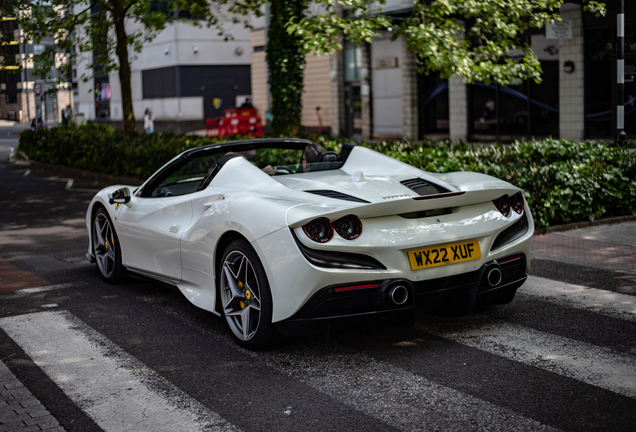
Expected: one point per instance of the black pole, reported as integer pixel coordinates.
(621, 137)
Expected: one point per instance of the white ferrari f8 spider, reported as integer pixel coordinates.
(279, 236)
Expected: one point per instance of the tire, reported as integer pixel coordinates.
(245, 296)
(106, 248)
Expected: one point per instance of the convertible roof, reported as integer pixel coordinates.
(242, 145)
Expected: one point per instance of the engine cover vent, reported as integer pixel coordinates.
(336, 195)
(422, 187)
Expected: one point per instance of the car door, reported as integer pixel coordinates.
(151, 224)
(150, 232)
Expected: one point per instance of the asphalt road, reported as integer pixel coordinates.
(140, 357)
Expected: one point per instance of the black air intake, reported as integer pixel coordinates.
(422, 187)
(336, 195)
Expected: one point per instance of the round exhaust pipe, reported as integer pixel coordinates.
(397, 295)
(494, 276)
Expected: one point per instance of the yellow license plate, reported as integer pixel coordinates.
(443, 255)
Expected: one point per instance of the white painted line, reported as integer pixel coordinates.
(615, 305)
(117, 391)
(392, 395)
(591, 364)
(49, 306)
(47, 288)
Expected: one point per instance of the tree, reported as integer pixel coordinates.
(99, 28)
(285, 58)
(480, 40)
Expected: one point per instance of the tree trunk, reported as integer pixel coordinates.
(119, 16)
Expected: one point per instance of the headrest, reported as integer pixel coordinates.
(329, 156)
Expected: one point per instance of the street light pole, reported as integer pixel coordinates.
(621, 137)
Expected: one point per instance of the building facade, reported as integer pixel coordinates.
(377, 93)
(184, 76)
(23, 96)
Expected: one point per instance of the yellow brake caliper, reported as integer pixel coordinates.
(247, 295)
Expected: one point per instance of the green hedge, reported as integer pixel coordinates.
(564, 181)
(102, 148)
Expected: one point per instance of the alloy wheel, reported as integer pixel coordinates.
(240, 295)
(104, 244)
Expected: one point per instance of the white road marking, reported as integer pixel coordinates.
(615, 305)
(47, 288)
(393, 395)
(117, 391)
(591, 364)
(69, 184)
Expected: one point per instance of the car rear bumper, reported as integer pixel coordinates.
(374, 297)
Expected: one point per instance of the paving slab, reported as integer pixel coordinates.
(20, 411)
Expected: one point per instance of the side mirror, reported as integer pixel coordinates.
(120, 196)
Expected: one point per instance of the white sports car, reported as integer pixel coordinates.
(257, 232)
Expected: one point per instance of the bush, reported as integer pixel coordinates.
(563, 181)
(102, 148)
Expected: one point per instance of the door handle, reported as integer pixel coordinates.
(175, 228)
(213, 199)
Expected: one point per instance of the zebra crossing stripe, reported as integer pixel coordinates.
(390, 394)
(615, 305)
(46, 288)
(591, 364)
(117, 391)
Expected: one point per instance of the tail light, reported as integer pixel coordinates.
(349, 227)
(517, 202)
(505, 203)
(319, 230)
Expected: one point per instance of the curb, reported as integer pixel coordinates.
(584, 224)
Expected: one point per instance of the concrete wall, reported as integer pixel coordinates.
(317, 85)
(386, 89)
(458, 108)
(259, 74)
(177, 44)
(571, 86)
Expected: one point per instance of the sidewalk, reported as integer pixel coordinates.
(20, 411)
(610, 247)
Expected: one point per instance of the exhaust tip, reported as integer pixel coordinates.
(397, 295)
(494, 277)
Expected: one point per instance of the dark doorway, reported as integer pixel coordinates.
(433, 104)
(353, 109)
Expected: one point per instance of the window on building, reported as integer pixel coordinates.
(11, 98)
(102, 96)
(433, 108)
(352, 63)
(520, 108)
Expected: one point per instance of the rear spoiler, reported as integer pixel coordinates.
(299, 215)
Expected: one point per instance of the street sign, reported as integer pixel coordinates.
(37, 88)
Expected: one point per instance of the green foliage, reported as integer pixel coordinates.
(563, 181)
(480, 40)
(286, 62)
(101, 148)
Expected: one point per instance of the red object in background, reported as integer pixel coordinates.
(237, 121)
